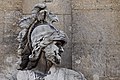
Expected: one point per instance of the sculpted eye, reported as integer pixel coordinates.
(58, 44)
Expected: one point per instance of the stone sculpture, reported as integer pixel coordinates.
(40, 48)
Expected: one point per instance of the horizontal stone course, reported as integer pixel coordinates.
(96, 4)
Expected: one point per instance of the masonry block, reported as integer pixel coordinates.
(113, 61)
(96, 26)
(60, 6)
(96, 4)
(96, 59)
(28, 5)
(89, 59)
(11, 4)
(56, 6)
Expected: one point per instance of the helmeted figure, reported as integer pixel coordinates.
(41, 47)
(47, 43)
(40, 15)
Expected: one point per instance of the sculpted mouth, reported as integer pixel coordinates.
(57, 61)
(54, 60)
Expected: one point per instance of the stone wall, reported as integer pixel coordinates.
(10, 12)
(96, 38)
(91, 25)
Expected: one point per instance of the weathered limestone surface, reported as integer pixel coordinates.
(28, 5)
(96, 26)
(96, 4)
(10, 12)
(56, 6)
(91, 25)
(96, 38)
(60, 6)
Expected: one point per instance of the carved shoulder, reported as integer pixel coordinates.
(72, 75)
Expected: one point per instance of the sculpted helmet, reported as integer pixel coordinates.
(43, 35)
(38, 35)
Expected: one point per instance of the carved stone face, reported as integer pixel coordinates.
(53, 52)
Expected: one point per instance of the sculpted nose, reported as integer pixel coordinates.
(61, 49)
